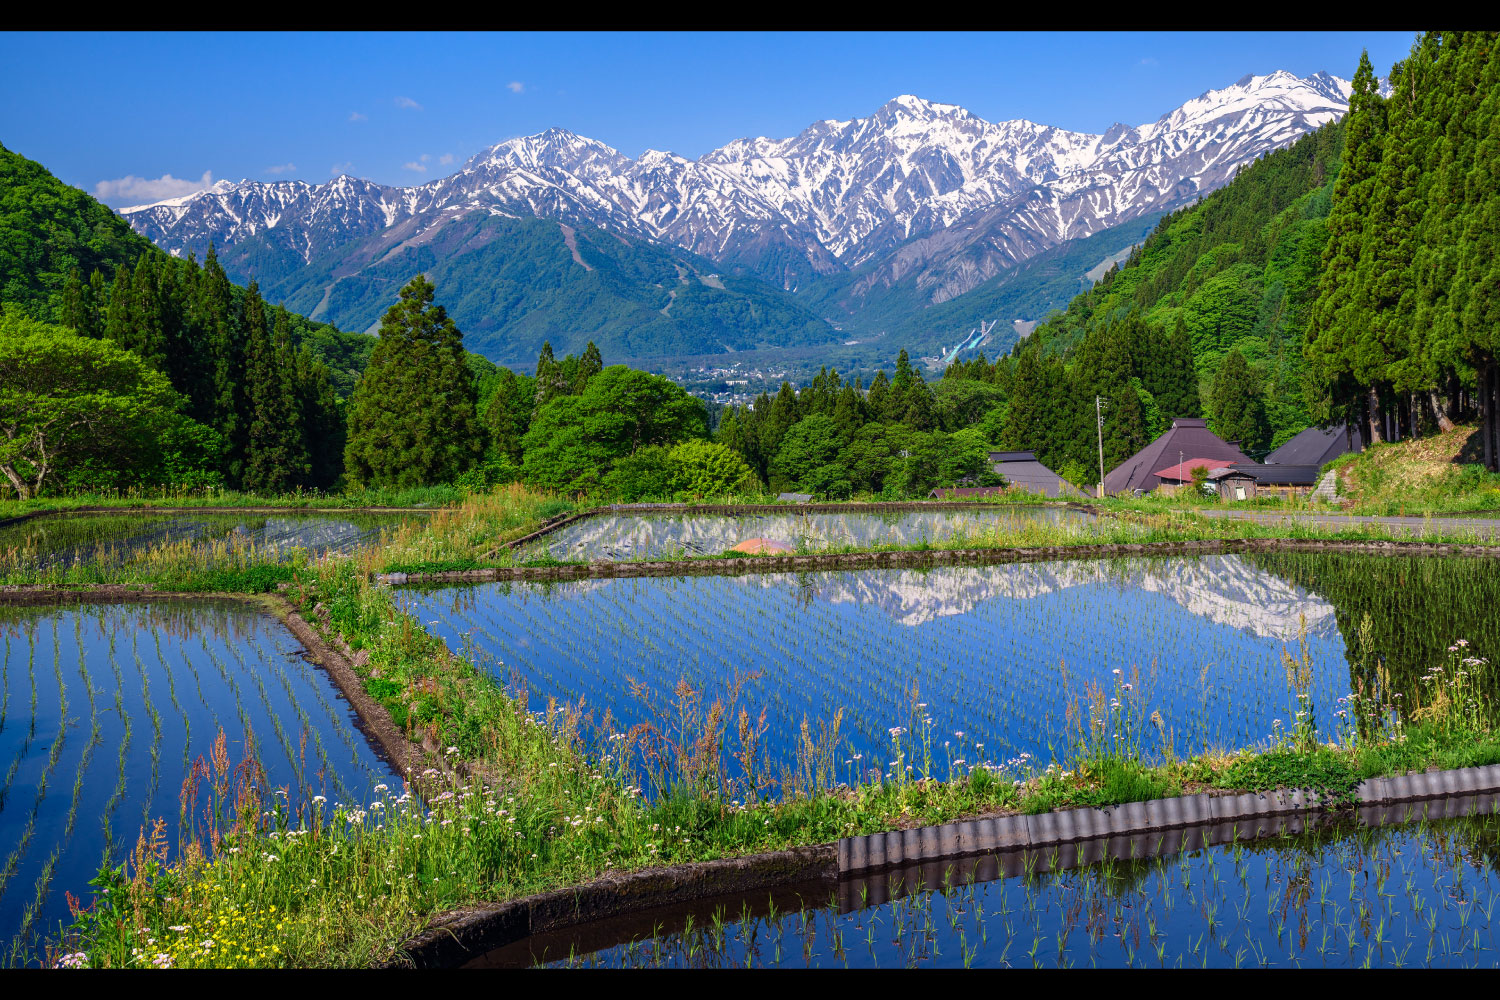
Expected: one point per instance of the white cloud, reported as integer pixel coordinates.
(407, 102)
(515, 86)
(1149, 61)
(446, 159)
(341, 168)
(355, 116)
(414, 165)
(282, 168)
(425, 157)
(133, 190)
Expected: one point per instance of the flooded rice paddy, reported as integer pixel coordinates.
(663, 536)
(1422, 894)
(982, 663)
(80, 539)
(106, 707)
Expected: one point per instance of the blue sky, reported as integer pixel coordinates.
(136, 116)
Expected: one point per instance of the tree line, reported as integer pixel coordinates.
(1405, 333)
(259, 413)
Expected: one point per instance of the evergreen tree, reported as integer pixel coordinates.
(412, 419)
(1339, 317)
(1125, 426)
(1237, 410)
(591, 364)
(80, 310)
(275, 451)
(322, 419)
(783, 414)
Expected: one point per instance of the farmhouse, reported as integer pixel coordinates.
(1318, 446)
(1187, 436)
(1021, 471)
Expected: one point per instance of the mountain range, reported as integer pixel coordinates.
(907, 227)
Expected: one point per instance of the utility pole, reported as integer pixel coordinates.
(1099, 419)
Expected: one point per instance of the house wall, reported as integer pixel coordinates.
(1254, 489)
(1228, 489)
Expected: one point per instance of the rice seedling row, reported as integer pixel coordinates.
(661, 536)
(152, 679)
(73, 540)
(1420, 895)
(968, 665)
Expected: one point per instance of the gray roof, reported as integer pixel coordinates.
(1034, 477)
(1317, 445)
(1271, 475)
(794, 497)
(1188, 436)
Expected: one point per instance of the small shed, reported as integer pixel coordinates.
(794, 497)
(1250, 480)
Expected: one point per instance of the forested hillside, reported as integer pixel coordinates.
(253, 394)
(1405, 334)
(514, 283)
(1205, 318)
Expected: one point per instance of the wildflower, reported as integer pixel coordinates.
(73, 960)
(378, 788)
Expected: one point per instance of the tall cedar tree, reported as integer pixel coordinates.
(1238, 411)
(275, 448)
(412, 420)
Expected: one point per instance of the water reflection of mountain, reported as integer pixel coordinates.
(1224, 589)
(635, 536)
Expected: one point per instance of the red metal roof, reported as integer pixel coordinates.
(1183, 472)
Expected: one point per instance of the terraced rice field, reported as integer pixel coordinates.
(1418, 895)
(983, 663)
(663, 536)
(111, 539)
(103, 712)
(987, 663)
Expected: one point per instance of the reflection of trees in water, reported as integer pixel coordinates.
(1417, 607)
(180, 619)
(116, 539)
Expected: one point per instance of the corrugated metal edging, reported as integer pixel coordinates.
(1238, 815)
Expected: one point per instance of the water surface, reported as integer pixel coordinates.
(105, 708)
(656, 536)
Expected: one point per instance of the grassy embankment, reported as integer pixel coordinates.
(344, 884)
(1125, 522)
(415, 497)
(1432, 475)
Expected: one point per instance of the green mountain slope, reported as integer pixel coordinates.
(48, 228)
(511, 284)
(861, 304)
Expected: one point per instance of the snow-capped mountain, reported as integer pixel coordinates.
(915, 205)
(838, 195)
